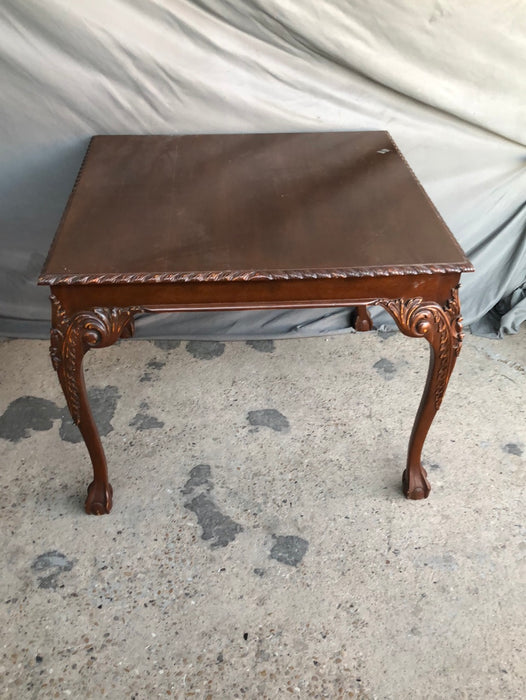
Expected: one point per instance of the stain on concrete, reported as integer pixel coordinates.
(262, 345)
(143, 420)
(156, 364)
(434, 466)
(199, 476)
(25, 414)
(385, 368)
(288, 549)
(513, 449)
(152, 366)
(103, 402)
(51, 564)
(443, 562)
(166, 344)
(205, 349)
(216, 526)
(33, 413)
(269, 418)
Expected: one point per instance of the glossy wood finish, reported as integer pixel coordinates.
(163, 223)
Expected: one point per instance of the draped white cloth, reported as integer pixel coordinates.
(445, 78)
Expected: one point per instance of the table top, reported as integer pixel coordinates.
(247, 206)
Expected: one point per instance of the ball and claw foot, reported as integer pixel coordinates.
(417, 486)
(100, 498)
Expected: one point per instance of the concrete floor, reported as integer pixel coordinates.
(259, 545)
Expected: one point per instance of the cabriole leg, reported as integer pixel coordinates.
(442, 328)
(71, 337)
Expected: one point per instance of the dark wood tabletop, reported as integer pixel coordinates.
(166, 207)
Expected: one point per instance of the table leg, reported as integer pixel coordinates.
(71, 337)
(441, 326)
(360, 320)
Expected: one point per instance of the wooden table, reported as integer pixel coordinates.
(254, 221)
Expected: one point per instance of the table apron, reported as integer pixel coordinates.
(256, 294)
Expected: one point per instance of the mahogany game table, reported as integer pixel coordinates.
(253, 221)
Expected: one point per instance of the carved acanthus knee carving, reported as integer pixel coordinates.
(441, 326)
(71, 337)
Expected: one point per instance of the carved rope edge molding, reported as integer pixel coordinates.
(250, 275)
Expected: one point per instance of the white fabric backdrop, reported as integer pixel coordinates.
(445, 78)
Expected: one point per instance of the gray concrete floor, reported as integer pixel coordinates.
(259, 545)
